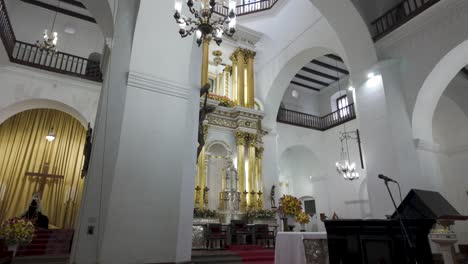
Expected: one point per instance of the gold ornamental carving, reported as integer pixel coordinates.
(240, 138)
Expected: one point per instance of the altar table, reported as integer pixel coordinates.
(290, 249)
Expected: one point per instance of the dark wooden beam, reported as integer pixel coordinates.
(464, 70)
(321, 74)
(330, 67)
(311, 80)
(334, 57)
(305, 86)
(74, 3)
(60, 10)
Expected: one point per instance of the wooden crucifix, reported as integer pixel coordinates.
(43, 177)
(204, 111)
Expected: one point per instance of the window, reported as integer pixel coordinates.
(341, 105)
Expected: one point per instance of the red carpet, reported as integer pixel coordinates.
(50, 242)
(253, 254)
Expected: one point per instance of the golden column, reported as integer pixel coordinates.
(250, 91)
(259, 177)
(240, 55)
(233, 58)
(201, 168)
(240, 142)
(227, 74)
(252, 142)
(205, 54)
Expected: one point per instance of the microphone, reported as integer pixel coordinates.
(386, 179)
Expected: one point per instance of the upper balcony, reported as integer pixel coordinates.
(246, 7)
(397, 16)
(28, 54)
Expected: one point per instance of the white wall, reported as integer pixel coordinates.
(29, 22)
(307, 102)
(25, 88)
(451, 132)
(306, 152)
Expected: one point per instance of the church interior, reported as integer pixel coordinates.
(233, 131)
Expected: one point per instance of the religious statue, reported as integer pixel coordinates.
(204, 111)
(205, 195)
(34, 213)
(231, 176)
(272, 197)
(87, 150)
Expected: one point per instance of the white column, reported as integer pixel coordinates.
(270, 167)
(98, 182)
(386, 137)
(149, 210)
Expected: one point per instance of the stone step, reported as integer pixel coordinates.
(63, 259)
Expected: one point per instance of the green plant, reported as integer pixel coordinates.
(265, 214)
(17, 231)
(204, 213)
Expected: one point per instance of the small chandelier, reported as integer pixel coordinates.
(49, 41)
(204, 25)
(345, 167)
(51, 135)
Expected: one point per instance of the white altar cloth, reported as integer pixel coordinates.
(289, 248)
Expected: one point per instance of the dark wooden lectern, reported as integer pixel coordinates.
(382, 241)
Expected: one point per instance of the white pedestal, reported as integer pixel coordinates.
(445, 242)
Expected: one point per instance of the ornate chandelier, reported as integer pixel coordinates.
(204, 24)
(345, 167)
(49, 41)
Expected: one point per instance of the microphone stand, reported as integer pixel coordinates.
(403, 229)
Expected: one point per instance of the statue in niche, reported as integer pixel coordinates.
(272, 197)
(231, 176)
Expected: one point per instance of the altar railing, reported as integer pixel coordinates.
(331, 120)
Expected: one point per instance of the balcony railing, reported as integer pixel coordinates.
(28, 54)
(398, 15)
(248, 8)
(331, 120)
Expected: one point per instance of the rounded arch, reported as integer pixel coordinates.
(433, 88)
(281, 81)
(212, 145)
(22, 106)
(103, 12)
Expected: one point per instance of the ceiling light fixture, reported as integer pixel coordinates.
(51, 135)
(49, 41)
(370, 75)
(204, 23)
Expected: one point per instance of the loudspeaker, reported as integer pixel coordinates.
(421, 204)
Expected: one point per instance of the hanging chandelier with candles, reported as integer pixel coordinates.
(49, 40)
(345, 167)
(204, 23)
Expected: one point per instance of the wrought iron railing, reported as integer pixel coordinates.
(247, 8)
(398, 15)
(28, 54)
(331, 120)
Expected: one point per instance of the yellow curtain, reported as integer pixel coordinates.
(23, 148)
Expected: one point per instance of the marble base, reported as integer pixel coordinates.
(226, 217)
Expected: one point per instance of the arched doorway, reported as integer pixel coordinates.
(25, 152)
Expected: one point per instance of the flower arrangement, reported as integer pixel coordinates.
(289, 205)
(17, 231)
(204, 213)
(223, 100)
(302, 218)
(264, 214)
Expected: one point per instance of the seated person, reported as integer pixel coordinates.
(35, 216)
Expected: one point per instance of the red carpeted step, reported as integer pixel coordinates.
(253, 254)
(48, 243)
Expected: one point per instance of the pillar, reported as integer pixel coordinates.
(240, 55)
(240, 142)
(205, 63)
(146, 128)
(252, 142)
(226, 78)
(234, 78)
(250, 91)
(259, 177)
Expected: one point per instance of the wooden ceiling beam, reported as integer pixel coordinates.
(330, 67)
(305, 86)
(464, 70)
(60, 10)
(321, 74)
(305, 78)
(74, 3)
(334, 57)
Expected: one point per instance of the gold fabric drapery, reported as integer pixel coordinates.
(23, 148)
